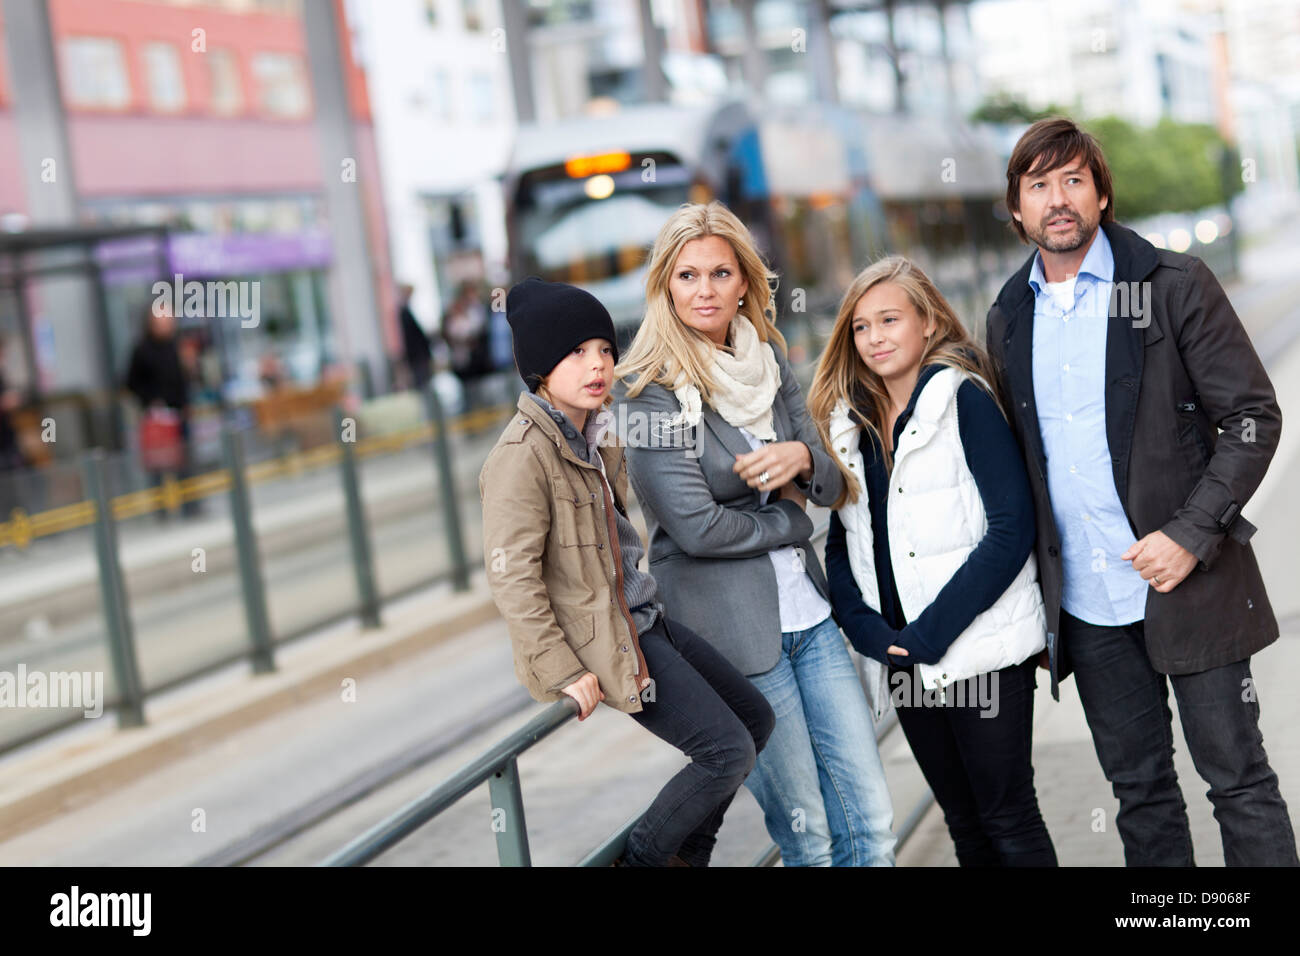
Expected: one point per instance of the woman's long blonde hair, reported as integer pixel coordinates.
(666, 351)
(843, 376)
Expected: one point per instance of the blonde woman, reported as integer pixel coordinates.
(930, 553)
(723, 457)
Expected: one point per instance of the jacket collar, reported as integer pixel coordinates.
(1098, 262)
(1134, 260)
(729, 435)
(926, 405)
(538, 411)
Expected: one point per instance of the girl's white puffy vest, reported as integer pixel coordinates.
(936, 518)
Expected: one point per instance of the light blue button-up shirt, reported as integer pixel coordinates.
(1070, 392)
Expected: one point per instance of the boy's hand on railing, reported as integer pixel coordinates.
(586, 691)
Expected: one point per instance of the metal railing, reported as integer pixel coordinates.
(498, 767)
(104, 633)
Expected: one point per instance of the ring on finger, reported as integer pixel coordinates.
(764, 477)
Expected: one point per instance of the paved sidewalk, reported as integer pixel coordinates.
(1076, 800)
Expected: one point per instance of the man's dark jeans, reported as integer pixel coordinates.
(979, 766)
(1126, 703)
(711, 712)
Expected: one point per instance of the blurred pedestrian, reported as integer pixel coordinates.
(1148, 421)
(11, 455)
(158, 379)
(415, 341)
(465, 330)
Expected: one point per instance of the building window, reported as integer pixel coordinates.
(482, 96)
(162, 67)
(281, 84)
(440, 93)
(473, 14)
(94, 73)
(223, 75)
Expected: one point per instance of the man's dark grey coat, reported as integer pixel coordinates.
(1179, 367)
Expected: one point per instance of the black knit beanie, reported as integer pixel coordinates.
(548, 320)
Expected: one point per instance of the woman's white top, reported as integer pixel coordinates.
(800, 604)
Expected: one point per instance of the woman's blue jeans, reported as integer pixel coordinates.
(819, 780)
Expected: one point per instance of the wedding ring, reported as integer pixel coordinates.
(1157, 579)
(762, 479)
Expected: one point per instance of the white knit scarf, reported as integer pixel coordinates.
(746, 384)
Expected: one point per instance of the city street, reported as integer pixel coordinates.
(585, 780)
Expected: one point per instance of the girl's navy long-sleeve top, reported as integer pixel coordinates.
(996, 464)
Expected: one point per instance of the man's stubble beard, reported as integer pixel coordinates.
(1083, 231)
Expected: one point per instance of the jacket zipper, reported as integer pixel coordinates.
(612, 530)
(943, 691)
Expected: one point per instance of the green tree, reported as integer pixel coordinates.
(1006, 109)
(1169, 167)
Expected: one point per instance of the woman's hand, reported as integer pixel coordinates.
(586, 691)
(895, 649)
(781, 461)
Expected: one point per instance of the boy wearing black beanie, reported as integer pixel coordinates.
(562, 560)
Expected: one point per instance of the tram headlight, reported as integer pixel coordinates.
(599, 187)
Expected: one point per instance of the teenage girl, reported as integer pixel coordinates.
(929, 555)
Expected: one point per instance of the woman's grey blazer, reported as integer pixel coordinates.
(709, 536)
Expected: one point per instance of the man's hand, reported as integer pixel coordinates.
(1162, 563)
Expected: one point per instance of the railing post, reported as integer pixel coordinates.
(358, 534)
(112, 589)
(508, 816)
(447, 488)
(250, 568)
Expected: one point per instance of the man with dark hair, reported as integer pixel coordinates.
(1147, 421)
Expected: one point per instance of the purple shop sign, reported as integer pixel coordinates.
(130, 259)
(197, 255)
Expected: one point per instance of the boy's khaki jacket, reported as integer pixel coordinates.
(551, 550)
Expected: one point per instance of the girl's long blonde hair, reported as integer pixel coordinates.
(843, 376)
(666, 351)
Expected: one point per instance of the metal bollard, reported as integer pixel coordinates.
(250, 567)
(447, 485)
(508, 801)
(358, 533)
(112, 590)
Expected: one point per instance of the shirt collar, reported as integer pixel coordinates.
(1099, 263)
